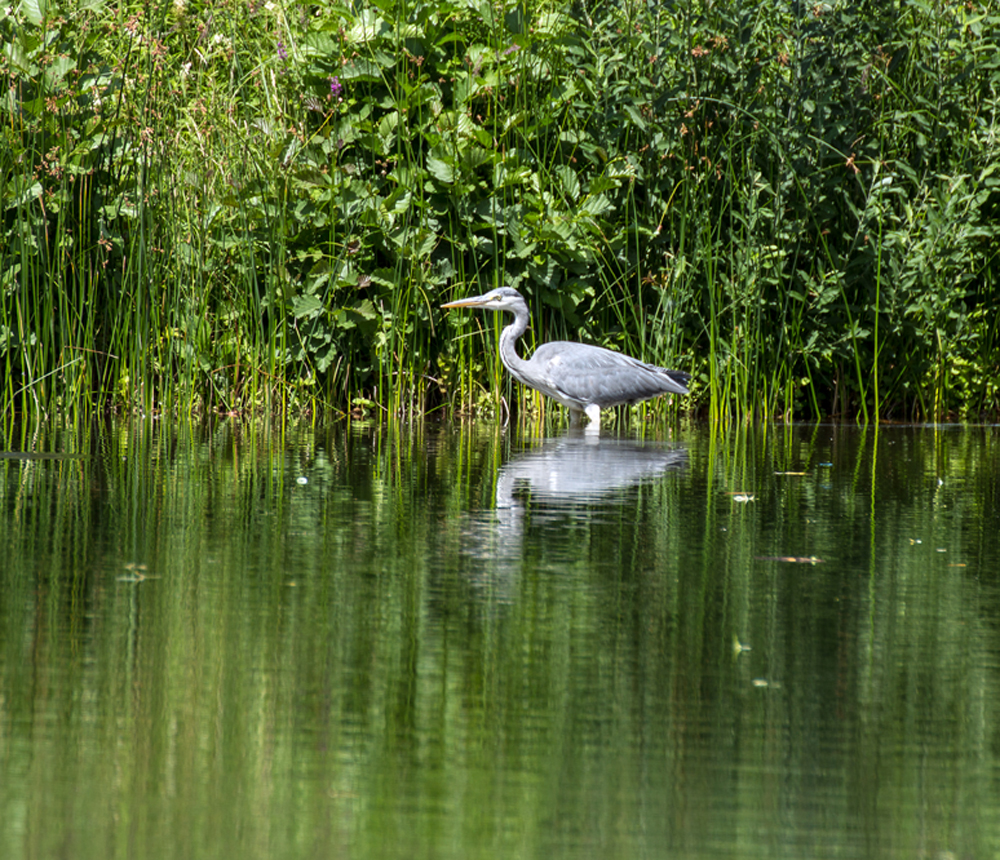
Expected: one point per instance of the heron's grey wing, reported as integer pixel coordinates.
(579, 375)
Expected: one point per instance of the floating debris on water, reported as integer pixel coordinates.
(811, 559)
(136, 573)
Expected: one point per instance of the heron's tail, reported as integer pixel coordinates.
(680, 377)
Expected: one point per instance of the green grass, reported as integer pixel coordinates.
(259, 209)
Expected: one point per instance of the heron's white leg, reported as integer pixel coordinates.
(594, 417)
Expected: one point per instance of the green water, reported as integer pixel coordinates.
(365, 643)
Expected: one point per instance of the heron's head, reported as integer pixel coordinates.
(502, 299)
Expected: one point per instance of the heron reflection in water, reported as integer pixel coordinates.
(575, 478)
(585, 379)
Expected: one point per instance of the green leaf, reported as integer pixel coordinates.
(360, 69)
(387, 131)
(30, 193)
(440, 170)
(365, 309)
(570, 182)
(324, 358)
(35, 11)
(595, 205)
(367, 26)
(635, 116)
(57, 71)
(304, 307)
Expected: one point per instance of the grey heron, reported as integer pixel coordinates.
(583, 378)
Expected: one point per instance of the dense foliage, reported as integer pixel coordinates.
(249, 206)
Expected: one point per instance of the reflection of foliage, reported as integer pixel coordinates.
(799, 206)
(379, 658)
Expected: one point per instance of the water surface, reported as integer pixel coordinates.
(350, 642)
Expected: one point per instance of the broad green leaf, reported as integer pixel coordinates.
(367, 26)
(440, 170)
(365, 309)
(306, 306)
(18, 57)
(360, 69)
(471, 156)
(35, 11)
(570, 182)
(387, 131)
(325, 357)
(635, 116)
(32, 192)
(595, 205)
(421, 246)
(318, 44)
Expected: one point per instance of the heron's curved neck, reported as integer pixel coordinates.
(508, 342)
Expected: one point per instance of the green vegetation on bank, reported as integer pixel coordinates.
(259, 207)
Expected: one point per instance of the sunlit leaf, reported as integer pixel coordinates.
(35, 10)
(306, 306)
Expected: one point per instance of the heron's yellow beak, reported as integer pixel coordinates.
(474, 301)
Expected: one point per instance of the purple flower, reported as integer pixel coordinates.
(282, 53)
(335, 86)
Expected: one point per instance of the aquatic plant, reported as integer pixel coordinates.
(248, 208)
